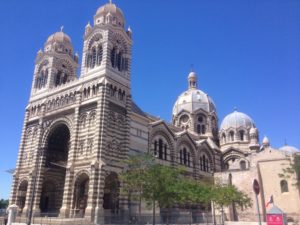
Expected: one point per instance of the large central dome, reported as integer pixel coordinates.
(193, 99)
(195, 111)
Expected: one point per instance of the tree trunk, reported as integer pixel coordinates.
(140, 209)
(222, 215)
(191, 216)
(153, 222)
(168, 213)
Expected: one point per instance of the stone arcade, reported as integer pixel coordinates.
(78, 129)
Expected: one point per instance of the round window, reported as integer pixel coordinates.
(200, 119)
(184, 118)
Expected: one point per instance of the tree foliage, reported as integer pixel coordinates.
(3, 203)
(133, 177)
(225, 195)
(294, 168)
(167, 186)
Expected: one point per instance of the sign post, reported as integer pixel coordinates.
(276, 216)
(256, 190)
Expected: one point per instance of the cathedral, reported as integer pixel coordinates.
(79, 129)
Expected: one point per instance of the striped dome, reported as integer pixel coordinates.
(237, 120)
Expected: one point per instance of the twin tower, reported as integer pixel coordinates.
(76, 129)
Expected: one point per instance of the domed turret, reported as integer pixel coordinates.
(59, 42)
(237, 120)
(109, 14)
(195, 110)
(289, 149)
(239, 128)
(56, 65)
(193, 99)
(266, 142)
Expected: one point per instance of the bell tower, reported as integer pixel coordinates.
(107, 60)
(56, 65)
(107, 46)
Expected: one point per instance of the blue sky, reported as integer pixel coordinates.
(246, 55)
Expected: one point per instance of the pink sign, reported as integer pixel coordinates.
(273, 219)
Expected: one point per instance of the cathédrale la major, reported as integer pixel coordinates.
(78, 129)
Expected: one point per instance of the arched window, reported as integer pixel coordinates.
(94, 54)
(155, 147)
(231, 135)
(89, 60)
(204, 163)
(201, 128)
(160, 149)
(45, 78)
(41, 79)
(284, 186)
(65, 78)
(242, 165)
(242, 135)
(99, 55)
(113, 57)
(58, 77)
(226, 166)
(117, 59)
(185, 157)
(223, 138)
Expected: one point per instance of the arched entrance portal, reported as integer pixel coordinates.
(111, 194)
(47, 203)
(21, 196)
(56, 155)
(81, 190)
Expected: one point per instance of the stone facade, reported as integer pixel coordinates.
(79, 129)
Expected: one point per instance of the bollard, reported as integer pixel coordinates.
(12, 213)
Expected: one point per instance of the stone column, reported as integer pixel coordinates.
(99, 211)
(68, 186)
(90, 209)
(35, 182)
(100, 145)
(209, 126)
(15, 183)
(123, 200)
(40, 158)
(29, 192)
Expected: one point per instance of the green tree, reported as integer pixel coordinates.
(294, 168)
(134, 177)
(225, 195)
(192, 193)
(3, 203)
(162, 186)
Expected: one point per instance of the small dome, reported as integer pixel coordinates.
(236, 120)
(59, 42)
(111, 10)
(192, 75)
(266, 141)
(288, 148)
(59, 37)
